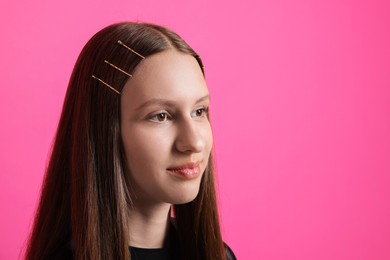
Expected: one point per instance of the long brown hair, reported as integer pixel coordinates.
(85, 196)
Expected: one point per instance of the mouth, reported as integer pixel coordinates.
(187, 171)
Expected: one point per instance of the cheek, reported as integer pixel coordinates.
(208, 136)
(145, 148)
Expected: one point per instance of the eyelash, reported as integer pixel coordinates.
(204, 111)
(156, 117)
(165, 116)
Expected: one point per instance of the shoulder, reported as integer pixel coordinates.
(229, 253)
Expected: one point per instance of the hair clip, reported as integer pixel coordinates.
(130, 49)
(108, 85)
(119, 69)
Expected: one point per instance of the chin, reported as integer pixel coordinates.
(184, 197)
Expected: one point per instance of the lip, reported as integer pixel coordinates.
(187, 171)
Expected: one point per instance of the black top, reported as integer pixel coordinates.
(139, 253)
(165, 254)
(170, 251)
(151, 254)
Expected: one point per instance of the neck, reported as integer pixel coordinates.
(148, 225)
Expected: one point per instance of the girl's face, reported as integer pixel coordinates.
(165, 130)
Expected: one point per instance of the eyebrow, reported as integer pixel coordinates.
(166, 102)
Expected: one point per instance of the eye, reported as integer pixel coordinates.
(200, 112)
(160, 117)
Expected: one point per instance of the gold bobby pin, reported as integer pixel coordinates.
(115, 67)
(130, 49)
(106, 84)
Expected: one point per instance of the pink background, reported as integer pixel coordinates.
(300, 107)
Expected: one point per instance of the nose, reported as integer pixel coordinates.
(190, 138)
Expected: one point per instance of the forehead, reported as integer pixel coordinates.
(167, 75)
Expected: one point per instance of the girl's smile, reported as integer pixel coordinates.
(187, 171)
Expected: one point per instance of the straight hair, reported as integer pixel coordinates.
(85, 197)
